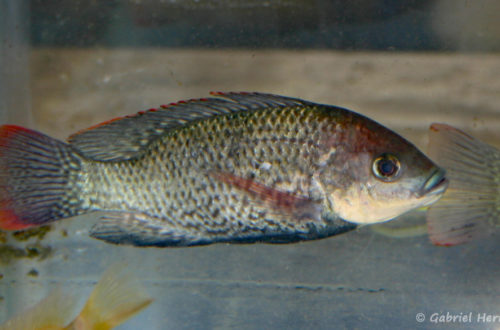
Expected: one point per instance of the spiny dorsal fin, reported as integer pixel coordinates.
(124, 138)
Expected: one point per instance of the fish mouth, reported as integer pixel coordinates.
(436, 184)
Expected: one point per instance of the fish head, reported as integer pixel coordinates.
(379, 175)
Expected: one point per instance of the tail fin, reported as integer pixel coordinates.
(116, 297)
(469, 208)
(52, 312)
(36, 178)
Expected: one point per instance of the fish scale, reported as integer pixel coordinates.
(179, 194)
(242, 167)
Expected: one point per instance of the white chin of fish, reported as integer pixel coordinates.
(431, 199)
(368, 211)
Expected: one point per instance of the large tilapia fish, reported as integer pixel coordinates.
(239, 167)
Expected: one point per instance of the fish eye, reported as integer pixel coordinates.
(386, 167)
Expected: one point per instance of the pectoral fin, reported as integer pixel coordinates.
(278, 202)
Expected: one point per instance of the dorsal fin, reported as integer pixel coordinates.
(124, 138)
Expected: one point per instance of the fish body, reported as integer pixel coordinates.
(470, 208)
(242, 167)
(116, 297)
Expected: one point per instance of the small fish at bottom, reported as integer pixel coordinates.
(116, 297)
(470, 208)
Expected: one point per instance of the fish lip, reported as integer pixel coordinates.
(435, 184)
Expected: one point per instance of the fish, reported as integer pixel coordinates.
(235, 167)
(115, 298)
(470, 208)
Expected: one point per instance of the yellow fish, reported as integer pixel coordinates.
(470, 207)
(116, 297)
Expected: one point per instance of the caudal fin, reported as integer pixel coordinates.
(116, 297)
(37, 176)
(52, 312)
(469, 208)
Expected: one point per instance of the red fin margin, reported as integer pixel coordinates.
(9, 220)
(27, 158)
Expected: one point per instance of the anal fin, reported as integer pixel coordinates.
(129, 228)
